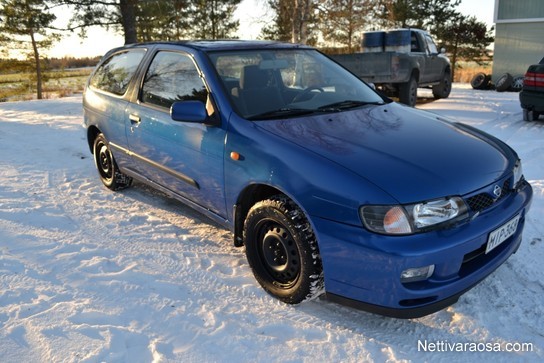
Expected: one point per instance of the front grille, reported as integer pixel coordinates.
(479, 202)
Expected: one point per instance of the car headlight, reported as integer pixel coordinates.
(518, 174)
(413, 218)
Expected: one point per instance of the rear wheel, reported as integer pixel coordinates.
(108, 171)
(408, 92)
(282, 251)
(530, 115)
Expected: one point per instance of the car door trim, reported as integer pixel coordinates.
(163, 168)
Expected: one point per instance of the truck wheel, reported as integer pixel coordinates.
(443, 89)
(281, 249)
(108, 171)
(504, 83)
(530, 115)
(408, 92)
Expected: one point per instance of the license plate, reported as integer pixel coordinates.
(502, 233)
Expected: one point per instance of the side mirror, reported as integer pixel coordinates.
(188, 111)
(443, 50)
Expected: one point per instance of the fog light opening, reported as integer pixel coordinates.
(416, 274)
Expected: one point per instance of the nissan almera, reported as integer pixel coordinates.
(329, 186)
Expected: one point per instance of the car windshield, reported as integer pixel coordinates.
(266, 84)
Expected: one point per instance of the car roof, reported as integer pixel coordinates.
(219, 45)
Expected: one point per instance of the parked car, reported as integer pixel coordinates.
(328, 185)
(411, 61)
(532, 93)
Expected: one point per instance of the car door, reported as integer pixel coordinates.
(418, 55)
(433, 65)
(183, 157)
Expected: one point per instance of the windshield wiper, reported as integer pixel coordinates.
(291, 112)
(280, 113)
(345, 105)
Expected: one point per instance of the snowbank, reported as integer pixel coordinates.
(89, 275)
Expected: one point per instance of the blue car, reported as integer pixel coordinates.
(329, 186)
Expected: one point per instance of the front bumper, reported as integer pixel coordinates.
(363, 269)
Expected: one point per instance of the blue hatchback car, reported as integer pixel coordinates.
(329, 186)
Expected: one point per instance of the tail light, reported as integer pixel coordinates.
(533, 79)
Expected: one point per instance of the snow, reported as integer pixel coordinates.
(90, 275)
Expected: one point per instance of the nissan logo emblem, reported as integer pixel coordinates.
(497, 190)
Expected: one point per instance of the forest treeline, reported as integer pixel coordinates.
(12, 65)
(30, 28)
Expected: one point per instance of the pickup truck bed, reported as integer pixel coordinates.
(400, 73)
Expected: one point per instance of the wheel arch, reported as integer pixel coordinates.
(92, 133)
(247, 198)
(415, 74)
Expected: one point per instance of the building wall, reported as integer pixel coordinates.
(519, 36)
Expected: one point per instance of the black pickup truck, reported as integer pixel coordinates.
(399, 72)
(532, 93)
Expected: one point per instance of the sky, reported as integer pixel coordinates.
(251, 14)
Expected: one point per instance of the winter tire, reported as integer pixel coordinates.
(408, 92)
(108, 170)
(504, 82)
(281, 249)
(479, 81)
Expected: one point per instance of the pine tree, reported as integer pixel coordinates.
(464, 37)
(146, 20)
(422, 14)
(24, 25)
(295, 21)
(118, 14)
(163, 20)
(213, 19)
(343, 21)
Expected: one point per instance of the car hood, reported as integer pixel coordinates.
(410, 154)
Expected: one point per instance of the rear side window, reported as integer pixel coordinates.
(115, 73)
(172, 77)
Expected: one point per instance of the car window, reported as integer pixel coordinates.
(430, 44)
(268, 81)
(172, 77)
(114, 74)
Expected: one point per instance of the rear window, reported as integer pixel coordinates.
(114, 74)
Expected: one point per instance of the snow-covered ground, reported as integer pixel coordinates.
(89, 275)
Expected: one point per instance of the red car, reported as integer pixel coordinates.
(532, 94)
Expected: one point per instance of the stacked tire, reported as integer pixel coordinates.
(506, 82)
(480, 81)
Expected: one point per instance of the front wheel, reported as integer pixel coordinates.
(281, 249)
(443, 89)
(108, 171)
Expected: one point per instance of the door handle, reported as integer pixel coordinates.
(134, 119)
